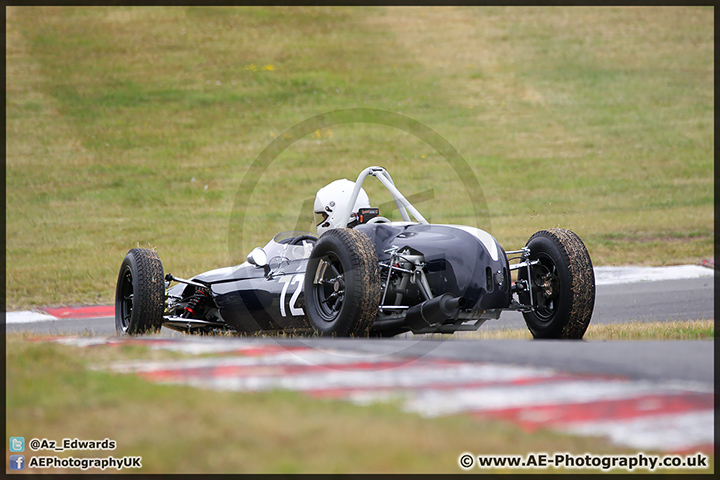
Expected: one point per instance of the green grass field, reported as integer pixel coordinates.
(135, 126)
(52, 393)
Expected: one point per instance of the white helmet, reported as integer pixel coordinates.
(332, 200)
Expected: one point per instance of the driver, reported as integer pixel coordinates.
(332, 200)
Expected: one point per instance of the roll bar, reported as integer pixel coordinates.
(383, 176)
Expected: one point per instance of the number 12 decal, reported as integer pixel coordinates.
(289, 280)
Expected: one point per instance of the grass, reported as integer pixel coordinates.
(135, 126)
(671, 330)
(177, 429)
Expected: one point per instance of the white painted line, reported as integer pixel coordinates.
(185, 344)
(216, 346)
(82, 341)
(427, 376)
(27, 317)
(620, 275)
(433, 403)
(198, 348)
(286, 358)
(676, 431)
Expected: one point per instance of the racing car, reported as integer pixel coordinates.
(365, 275)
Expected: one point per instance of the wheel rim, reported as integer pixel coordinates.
(546, 287)
(329, 287)
(126, 300)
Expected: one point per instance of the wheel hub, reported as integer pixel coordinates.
(547, 284)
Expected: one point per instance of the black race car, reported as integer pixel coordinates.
(375, 277)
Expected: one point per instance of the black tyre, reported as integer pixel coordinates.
(342, 284)
(140, 294)
(563, 285)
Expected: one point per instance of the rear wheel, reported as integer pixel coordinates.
(562, 285)
(140, 293)
(342, 284)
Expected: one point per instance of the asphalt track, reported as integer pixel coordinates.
(684, 299)
(559, 385)
(649, 395)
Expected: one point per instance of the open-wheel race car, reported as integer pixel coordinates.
(368, 276)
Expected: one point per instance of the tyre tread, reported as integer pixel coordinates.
(149, 300)
(366, 290)
(576, 256)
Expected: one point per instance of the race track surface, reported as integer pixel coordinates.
(649, 395)
(682, 299)
(637, 406)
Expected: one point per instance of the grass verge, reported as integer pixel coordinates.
(672, 330)
(52, 394)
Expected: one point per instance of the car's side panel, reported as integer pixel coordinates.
(270, 298)
(254, 298)
(457, 261)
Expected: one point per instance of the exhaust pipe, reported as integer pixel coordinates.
(433, 311)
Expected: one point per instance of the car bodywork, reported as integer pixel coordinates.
(434, 278)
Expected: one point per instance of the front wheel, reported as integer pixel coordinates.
(140, 293)
(562, 284)
(342, 284)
